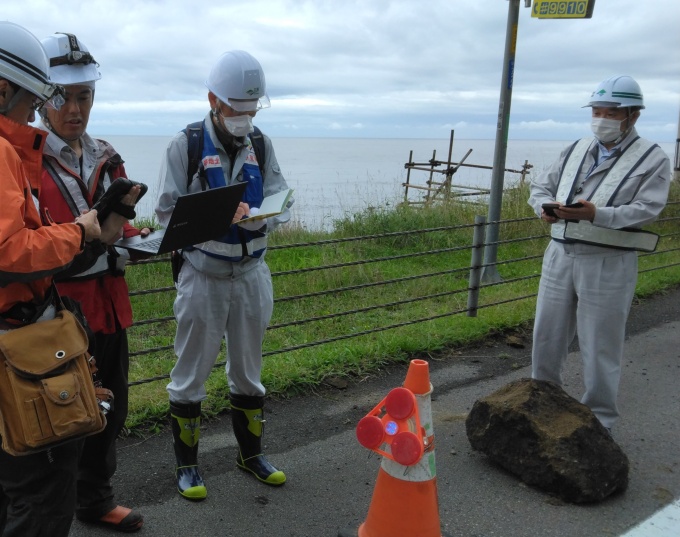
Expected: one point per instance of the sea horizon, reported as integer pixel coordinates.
(338, 177)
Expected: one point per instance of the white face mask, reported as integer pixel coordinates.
(238, 125)
(606, 130)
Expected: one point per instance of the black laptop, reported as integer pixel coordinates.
(197, 218)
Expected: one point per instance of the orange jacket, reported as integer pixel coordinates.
(29, 252)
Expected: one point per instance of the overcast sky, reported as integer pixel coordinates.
(370, 68)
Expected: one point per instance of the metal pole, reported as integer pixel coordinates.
(676, 173)
(475, 266)
(490, 273)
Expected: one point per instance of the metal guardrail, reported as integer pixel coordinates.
(474, 289)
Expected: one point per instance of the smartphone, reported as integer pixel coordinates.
(119, 188)
(549, 208)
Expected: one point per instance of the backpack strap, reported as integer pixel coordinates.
(257, 140)
(194, 134)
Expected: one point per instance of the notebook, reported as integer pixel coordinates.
(272, 205)
(199, 217)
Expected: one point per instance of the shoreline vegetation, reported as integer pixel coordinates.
(304, 370)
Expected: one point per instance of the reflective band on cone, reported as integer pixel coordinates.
(404, 502)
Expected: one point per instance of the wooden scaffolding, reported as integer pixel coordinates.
(436, 189)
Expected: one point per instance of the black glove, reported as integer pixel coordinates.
(110, 200)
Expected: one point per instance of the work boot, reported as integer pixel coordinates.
(247, 418)
(186, 420)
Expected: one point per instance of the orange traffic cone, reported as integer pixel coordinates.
(418, 378)
(404, 502)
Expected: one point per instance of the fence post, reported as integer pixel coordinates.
(476, 265)
(526, 170)
(430, 180)
(408, 175)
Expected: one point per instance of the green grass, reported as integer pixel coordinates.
(303, 370)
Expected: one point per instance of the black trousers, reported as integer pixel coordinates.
(38, 492)
(98, 458)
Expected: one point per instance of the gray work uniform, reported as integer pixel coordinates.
(218, 298)
(588, 289)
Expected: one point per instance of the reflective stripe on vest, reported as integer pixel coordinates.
(602, 196)
(231, 246)
(234, 252)
(70, 189)
(634, 239)
(571, 169)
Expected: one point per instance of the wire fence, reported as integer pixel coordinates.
(318, 288)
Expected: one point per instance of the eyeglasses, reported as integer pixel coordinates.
(55, 102)
(37, 104)
(248, 105)
(234, 112)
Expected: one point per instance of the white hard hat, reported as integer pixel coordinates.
(70, 61)
(237, 79)
(23, 61)
(618, 91)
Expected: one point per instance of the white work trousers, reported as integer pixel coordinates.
(587, 290)
(208, 308)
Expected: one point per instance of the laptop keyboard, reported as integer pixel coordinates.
(151, 245)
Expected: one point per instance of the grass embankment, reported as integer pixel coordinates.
(298, 371)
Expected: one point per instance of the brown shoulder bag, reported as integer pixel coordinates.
(47, 396)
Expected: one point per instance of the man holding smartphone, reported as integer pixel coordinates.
(77, 170)
(597, 196)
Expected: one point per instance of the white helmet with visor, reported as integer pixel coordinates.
(23, 61)
(237, 80)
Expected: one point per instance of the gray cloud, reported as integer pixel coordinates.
(371, 69)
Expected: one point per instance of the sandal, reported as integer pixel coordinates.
(119, 519)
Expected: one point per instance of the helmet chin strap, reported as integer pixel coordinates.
(46, 122)
(628, 128)
(215, 117)
(67, 140)
(18, 95)
(227, 138)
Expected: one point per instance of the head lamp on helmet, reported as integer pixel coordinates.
(73, 58)
(70, 61)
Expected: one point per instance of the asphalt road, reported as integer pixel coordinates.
(331, 478)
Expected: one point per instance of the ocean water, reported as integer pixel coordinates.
(336, 177)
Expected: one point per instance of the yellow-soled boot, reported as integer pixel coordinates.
(247, 416)
(186, 421)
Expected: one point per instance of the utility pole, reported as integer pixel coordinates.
(542, 9)
(676, 173)
(490, 272)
